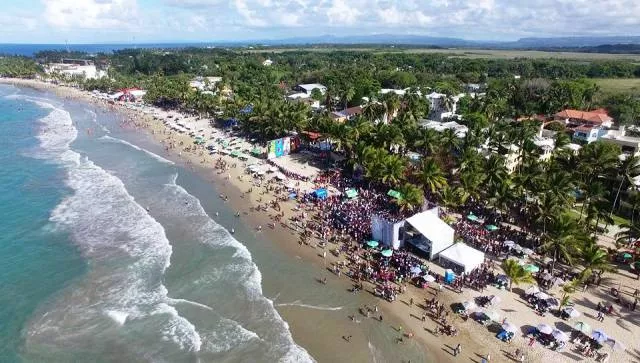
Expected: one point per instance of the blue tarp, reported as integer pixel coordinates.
(247, 110)
(232, 122)
(320, 193)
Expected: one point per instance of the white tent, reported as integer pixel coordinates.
(437, 234)
(464, 256)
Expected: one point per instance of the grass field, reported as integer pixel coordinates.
(618, 85)
(466, 53)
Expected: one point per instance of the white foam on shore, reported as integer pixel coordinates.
(299, 304)
(194, 303)
(244, 271)
(117, 316)
(124, 142)
(109, 226)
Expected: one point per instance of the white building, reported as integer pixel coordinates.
(76, 67)
(267, 62)
(399, 92)
(437, 105)
(460, 130)
(630, 145)
(308, 88)
(205, 83)
(546, 145)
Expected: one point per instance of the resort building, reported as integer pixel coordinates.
(598, 118)
(588, 134)
(76, 67)
(460, 130)
(546, 146)
(399, 92)
(630, 145)
(442, 106)
(205, 83)
(347, 114)
(308, 88)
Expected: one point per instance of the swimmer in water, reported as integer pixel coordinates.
(233, 230)
(216, 214)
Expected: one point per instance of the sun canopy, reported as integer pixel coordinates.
(438, 233)
(394, 194)
(491, 227)
(372, 243)
(256, 151)
(462, 255)
(387, 253)
(320, 193)
(472, 217)
(351, 193)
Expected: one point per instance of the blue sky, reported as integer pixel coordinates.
(87, 21)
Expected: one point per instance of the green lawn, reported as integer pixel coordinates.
(618, 85)
(616, 219)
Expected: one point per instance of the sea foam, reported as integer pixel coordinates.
(153, 155)
(109, 226)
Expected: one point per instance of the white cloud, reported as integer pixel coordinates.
(91, 14)
(238, 19)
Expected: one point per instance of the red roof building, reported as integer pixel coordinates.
(597, 117)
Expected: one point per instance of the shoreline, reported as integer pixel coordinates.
(474, 338)
(284, 239)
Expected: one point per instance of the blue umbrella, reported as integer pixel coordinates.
(599, 336)
(372, 244)
(387, 253)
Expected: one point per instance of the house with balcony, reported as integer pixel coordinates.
(587, 134)
(347, 114)
(630, 145)
(598, 118)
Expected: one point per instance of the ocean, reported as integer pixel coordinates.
(114, 253)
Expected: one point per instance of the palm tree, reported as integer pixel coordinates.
(412, 197)
(347, 96)
(562, 239)
(594, 258)
(568, 289)
(517, 274)
(427, 142)
(431, 176)
(629, 169)
(392, 169)
(628, 234)
(373, 111)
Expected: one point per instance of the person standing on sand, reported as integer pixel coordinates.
(457, 350)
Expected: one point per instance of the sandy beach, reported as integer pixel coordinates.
(251, 198)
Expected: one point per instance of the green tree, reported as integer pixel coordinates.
(517, 274)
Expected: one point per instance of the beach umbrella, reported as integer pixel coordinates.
(572, 312)
(541, 295)
(468, 305)
(527, 251)
(531, 290)
(351, 193)
(509, 327)
(280, 176)
(494, 299)
(544, 329)
(429, 278)
(502, 278)
(491, 227)
(517, 248)
(626, 255)
(616, 344)
(394, 194)
(531, 268)
(415, 270)
(552, 301)
(472, 217)
(243, 157)
(599, 336)
(560, 335)
(235, 153)
(582, 327)
(256, 151)
(492, 315)
(387, 253)
(509, 243)
(261, 172)
(372, 244)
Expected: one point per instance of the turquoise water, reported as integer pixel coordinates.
(36, 261)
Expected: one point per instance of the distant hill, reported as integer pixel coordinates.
(571, 42)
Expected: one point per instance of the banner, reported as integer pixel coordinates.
(271, 149)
